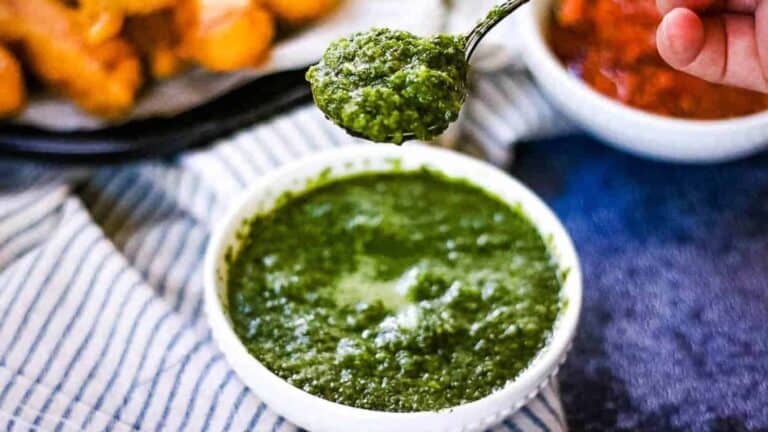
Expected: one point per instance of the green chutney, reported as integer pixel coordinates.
(389, 85)
(395, 292)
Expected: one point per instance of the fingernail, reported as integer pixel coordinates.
(672, 45)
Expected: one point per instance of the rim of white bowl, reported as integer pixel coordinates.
(534, 28)
(526, 386)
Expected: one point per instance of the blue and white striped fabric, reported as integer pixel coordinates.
(101, 323)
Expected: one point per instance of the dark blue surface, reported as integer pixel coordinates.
(674, 330)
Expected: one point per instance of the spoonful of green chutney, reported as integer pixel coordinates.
(390, 85)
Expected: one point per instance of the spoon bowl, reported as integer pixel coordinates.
(467, 43)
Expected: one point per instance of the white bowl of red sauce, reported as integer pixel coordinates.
(605, 74)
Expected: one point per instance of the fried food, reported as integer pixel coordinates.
(104, 18)
(101, 78)
(10, 27)
(127, 7)
(224, 36)
(102, 25)
(156, 39)
(12, 92)
(92, 51)
(300, 11)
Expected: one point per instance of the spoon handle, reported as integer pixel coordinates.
(497, 14)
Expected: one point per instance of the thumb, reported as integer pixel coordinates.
(680, 38)
(722, 49)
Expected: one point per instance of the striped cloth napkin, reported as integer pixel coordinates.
(101, 323)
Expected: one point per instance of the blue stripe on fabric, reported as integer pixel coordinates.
(264, 147)
(215, 400)
(150, 198)
(333, 139)
(510, 425)
(64, 336)
(32, 266)
(247, 156)
(317, 133)
(305, 137)
(171, 343)
(118, 368)
(147, 209)
(209, 197)
(197, 312)
(256, 417)
(199, 345)
(8, 276)
(87, 252)
(161, 209)
(229, 168)
(512, 93)
(145, 353)
(168, 349)
(100, 208)
(300, 131)
(278, 423)
(212, 205)
(280, 139)
(92, 371)
(23, 251)
(155, 331)
(80, 349)
(535, 419)
(161, 364)
(235, 408)
(490, 136)
(175, 260)
(531, 101)
(548, 406)
(131, 201)
(26, 228)
(181, 294)
(196, 390)
(38, 294)
(24, 205)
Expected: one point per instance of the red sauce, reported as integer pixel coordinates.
(611, 44)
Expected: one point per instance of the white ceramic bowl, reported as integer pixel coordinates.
(319, 415)
(636, 131)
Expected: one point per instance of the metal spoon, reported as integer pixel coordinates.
(474, 37)
(494, 17)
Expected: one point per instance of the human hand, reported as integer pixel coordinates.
(723, 41)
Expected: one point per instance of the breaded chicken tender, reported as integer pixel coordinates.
(224, 35)
(94, 51)
(104, 18)
(127, 7)
(12, 94)
(156, 37)
(101, 78)
(300, 11)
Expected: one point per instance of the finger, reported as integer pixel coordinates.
(681, 38)
(721, 49)
(761, 35)
(739, 6)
